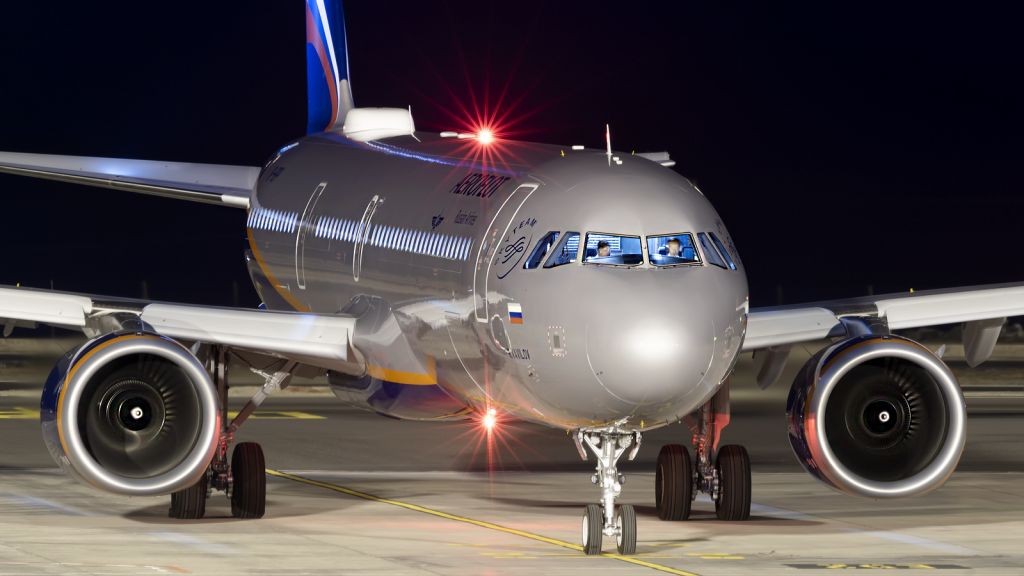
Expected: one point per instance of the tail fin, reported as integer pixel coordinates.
(328, 93)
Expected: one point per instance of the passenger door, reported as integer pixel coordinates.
(488, 253)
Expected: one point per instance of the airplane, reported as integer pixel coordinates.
(464, 275)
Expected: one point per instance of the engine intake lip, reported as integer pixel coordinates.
(838, 362)
(91, 360)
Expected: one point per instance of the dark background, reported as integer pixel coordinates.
(849, 146)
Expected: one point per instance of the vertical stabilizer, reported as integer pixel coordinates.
(328, 92)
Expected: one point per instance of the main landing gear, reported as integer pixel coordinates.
(722, 473)
(243, 479)
(608, 445)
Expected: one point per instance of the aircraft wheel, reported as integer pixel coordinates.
(249, 492)
(593, 529)
(625, 521)
(190, 503)
(733, 467)
(673, 483)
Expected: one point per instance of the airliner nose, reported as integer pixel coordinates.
(651, 357)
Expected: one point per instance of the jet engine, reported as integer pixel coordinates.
(132, 413)
(877, 416)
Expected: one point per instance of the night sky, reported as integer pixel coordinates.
(844, 144)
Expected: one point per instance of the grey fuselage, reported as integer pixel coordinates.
(425, 243)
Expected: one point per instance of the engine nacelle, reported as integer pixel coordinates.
(877, 416)
(131, 413)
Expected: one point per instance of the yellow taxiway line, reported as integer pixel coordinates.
(480, 523)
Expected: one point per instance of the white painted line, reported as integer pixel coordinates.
(36, 502)
(194, 542)
(923, 542)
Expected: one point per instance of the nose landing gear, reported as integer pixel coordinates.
(608, 445)
(722, 473)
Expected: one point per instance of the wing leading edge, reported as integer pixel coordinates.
(208, 183)
(983, 310)
(318, 340)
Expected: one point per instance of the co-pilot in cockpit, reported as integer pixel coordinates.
(600, 248)
(672, 249)
(614, 249)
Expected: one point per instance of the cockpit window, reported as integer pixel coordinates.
(613, 249)
(672, 250)
(722, 250)
(565, 252)
(541, 250)
(710, 252)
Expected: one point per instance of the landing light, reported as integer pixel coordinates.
(485, 136)
(490, 419)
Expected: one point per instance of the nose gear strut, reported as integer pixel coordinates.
(608, 444)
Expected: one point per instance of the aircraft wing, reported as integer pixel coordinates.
(982, 309)
(318, 340)
(208, 183)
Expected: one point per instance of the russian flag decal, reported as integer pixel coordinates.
(515, 313)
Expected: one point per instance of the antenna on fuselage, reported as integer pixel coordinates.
(608, 141)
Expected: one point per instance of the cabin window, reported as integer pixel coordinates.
(710, 252)
(722, 250)
(672, 250)
(541, 250)
(613, 250)
(565, 252)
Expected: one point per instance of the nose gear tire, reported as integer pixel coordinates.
(593, 529)
(625, 521)
(733, 468)
(673, 483)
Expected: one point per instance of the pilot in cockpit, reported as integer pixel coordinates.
(675, 248)
(603, 249)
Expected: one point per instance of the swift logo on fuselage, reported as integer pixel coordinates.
(513, 247)
(479, 185)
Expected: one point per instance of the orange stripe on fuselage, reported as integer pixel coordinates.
(407, 378)
(288, 297)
